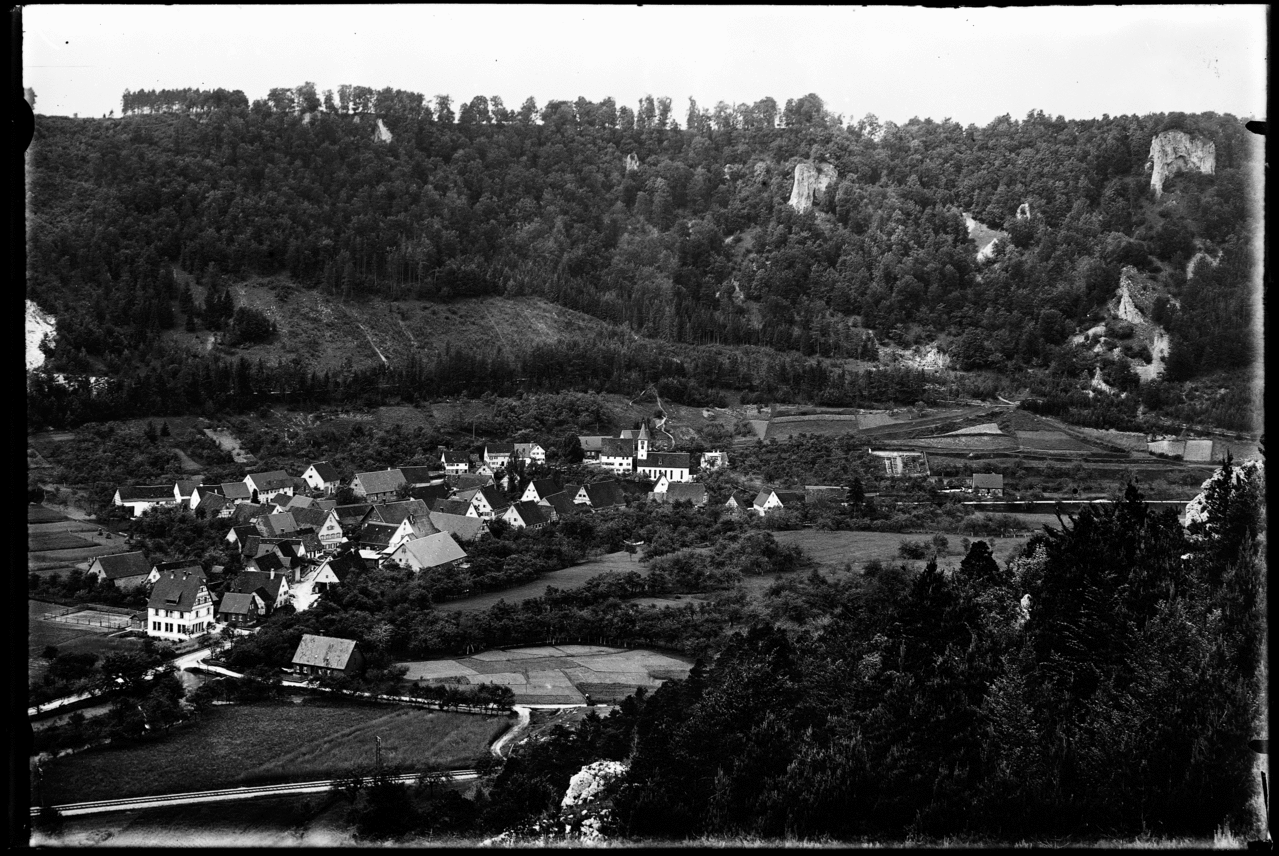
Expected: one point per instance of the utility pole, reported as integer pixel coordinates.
(377, 754)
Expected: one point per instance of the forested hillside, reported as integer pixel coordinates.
(678, 232)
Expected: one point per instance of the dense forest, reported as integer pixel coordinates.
(681, 235)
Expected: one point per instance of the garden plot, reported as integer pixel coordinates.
(1053, 441)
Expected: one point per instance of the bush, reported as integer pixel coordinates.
(912, 549)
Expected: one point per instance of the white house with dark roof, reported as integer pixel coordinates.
(539, 489)
(239, 609)
(530, 453)
(618, 455)
(379, 485)
(498, 454)
(768, 501)
(456, 463)
(485, 502)
(463, 527)
(322, 476)
(269, 484)
(179, 607)
(526, 515)
(126, 570)
(142, 498)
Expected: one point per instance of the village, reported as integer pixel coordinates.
(297, 540)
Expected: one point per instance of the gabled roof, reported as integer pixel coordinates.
(298, 501)
(418, 475)
(378, 534)
(592, 443)
(740, 498)
(313, 517)
(561, 503)
(431, 551)
(462, 527)
(616, 447)
(494, 497)
(326, 471)
(245, 512)
(212, 502)
(544, 487)
(526, 449)
(462, 481)
(185, 487)
(988, 480)
(326, 504)
(762, 497)
(236, 490)
(146, 493)
(665, 460)
(268, 562)
(119, 566)
(789, 497)
(349, 515)
(396, 512)
(605, 494)
(499, 449)
(243, 533)
(455, 457)
(450, 506)
(236, 603)
(381, 481)
(324, 651)
(175, 591)
(684, 491)
(274, 525)
(251, 581)
(429, 493)
(531, 513)
(344, 563)
(190, 566)
(270, 480)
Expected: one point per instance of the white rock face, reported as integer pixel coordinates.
(810, 180)
(1023, 211)
(1198, 257)
(382, 134)
(39, 325)
(589, 783)
(632, 162)
(1196, 509)
(1176, 151)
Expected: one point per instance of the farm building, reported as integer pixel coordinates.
(681, 492)
(456, 463)
(770, 501)
(526, 515)
(419, 476)
(433, 551)
(560, 504)
(592, 446)
(141, 498)
(327, 656)
(378, 486)
(539, 489)
(498, 454)
(530, 453)
(462, 527)
(987, 484)
(600, 495)
(269, 484)
(126, 570)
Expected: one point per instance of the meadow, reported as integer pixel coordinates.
(832, 550)
(268, 742)
(564, 579)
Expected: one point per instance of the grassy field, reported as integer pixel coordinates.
(561, 674)
(568, 578)
(268, 742)
(56, 541)
(42, 514)
(831, 550)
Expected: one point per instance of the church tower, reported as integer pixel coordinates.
(641, 442)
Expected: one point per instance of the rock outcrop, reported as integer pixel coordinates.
(1250, 474)
(632, 162)
(40, 326)
(381, 134)
(1198, 257)
(809, 181)
(1176, 151)
(1023, 211)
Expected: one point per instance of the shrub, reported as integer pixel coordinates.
(912, 549)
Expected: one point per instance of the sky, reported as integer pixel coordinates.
(969, 65)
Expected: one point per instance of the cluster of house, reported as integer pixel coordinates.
(296, 541)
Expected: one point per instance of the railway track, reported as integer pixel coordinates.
(243, 792)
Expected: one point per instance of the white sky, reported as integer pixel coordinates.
(897, 62)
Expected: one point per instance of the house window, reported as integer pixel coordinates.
(168, 627)
(155, 625)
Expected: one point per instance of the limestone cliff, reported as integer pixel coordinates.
(381, 134)
(1176, 151)
(809, 181)
(632, 162)
(1023, 211)
(39, 326)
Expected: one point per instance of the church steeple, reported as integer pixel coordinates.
(641, 442)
